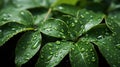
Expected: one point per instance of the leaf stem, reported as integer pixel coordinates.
(49, 11)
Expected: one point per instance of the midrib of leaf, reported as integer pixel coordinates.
(82, 57)
(48, 13)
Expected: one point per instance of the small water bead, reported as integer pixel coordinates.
(50, 48)
(82, 49)
(100, 37)
(13, 29)
(73, 24)
(57, 42)
(51, 53)
(50, 44)
(22, 13)
(93, 59)
(27, 58)
(60, 7)
(82, 16)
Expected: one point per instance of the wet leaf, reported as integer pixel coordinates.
(83, 54)
(27, 47)
(11, 14)
(110, 49)
(67, 9)
(113, 22)
(52, 53)
(84, 21)
(8, 30)
(54, 27)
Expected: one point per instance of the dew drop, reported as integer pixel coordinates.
(51, 53)
(63, 37)
(76, 21)
(93, 59)
(13, 28)
(22, 13)
(35, 45)
(5, 19)
(27, 54)
(57, 42)
(50, 48)
(100, 37)
(27, 58)
(73, 24)
(82, 49)
(82, 16)
(60, 8)
(73, 48)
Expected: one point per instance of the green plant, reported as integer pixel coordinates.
(53, 29)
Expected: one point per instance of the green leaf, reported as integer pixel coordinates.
(89, 19)
(84, 21)
(11, 14)
(110, 49)
(83, 54)
(1, 4)
(9, 30)
(27, 4)
(59, 2)
(52, 53)
(67, 9)
(39, 15)
(107, 42)
(113, 22)
(54, 27)
(100, 31)
(27, 47)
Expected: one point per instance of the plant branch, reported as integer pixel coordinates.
(49, 11)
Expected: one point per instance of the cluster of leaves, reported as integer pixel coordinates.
(56, 28)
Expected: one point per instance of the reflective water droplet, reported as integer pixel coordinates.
(60, 7)
(93, 59)
(13, 28)
(118, 46)
(73, 25)
(100, 37)
(27, 58)
(27, 54)
(73, 48)
(22, 13)
(91, 49)
(35, 45)
(82, 16)
(51, 52)
(63, 37)
(76, 21)
(82, 49)
(57, 42)
(50, 48)
(5, 19)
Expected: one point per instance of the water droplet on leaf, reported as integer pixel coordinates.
(93, 59)
(57, 42)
